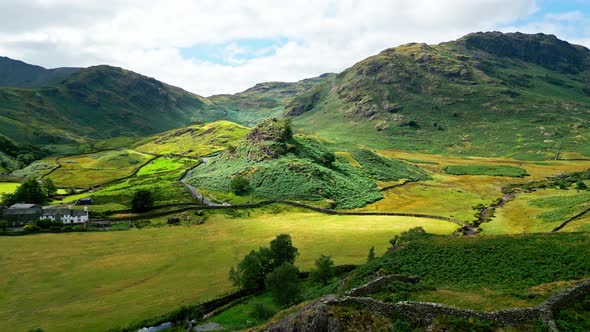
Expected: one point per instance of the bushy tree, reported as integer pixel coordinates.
(49, 187)
(252, 270)
(29, 191)
(408, 236)
(239, 185)
(327, 158)
(8, 199)
(283, 283)
(3, 224)
(142, 201)
(282, 250)
(254, 267)
(580, 185)
(323, 271)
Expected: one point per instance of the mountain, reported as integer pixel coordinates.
(14, 73)
(262, 101)
(514, 94)
(95, 103)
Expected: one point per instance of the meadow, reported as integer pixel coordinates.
(458, 196)
(8, 187)
(194, 140)
(84, 171)
(95, 281)
(540, 211)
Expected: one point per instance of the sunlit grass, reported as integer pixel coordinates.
(73, 281)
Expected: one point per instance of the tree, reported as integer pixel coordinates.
(8, 199)
(252, 270)
(49, 188)
(580, 185)
(282, 250)
(327, 158)
(142, 201)
(283, 283)
(239, 185)
(3, 225)
(371, 255)
(30, 191)
(323, 271)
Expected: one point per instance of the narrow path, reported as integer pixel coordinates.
(193, 190)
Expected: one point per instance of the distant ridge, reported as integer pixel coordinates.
(19, 74)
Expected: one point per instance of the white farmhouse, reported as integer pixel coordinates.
(67, 216)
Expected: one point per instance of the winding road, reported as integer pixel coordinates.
(193, 190)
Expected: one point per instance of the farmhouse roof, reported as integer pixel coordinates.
(64, 212)
(24, 206)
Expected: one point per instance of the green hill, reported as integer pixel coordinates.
(517, 95)
(14, 73)
(95, 103)
(274, 164)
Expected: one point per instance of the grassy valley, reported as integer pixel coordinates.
(463, 166)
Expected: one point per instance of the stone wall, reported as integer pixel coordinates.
(378, 284)
(317, 315)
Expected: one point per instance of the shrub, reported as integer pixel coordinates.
(239, 185)
(142, 201)
(31, 228)
(262, 312)
(371, 255)
(323, 271)
(580, 185)
(283, 282)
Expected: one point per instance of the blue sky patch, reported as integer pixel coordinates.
(234, 52)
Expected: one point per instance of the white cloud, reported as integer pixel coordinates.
(322, 35)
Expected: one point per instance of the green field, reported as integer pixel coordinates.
(8, 187)
(74, 281)
(491, 170)
(195, 140)
(540, 211)
(160, 176)
(89, 170)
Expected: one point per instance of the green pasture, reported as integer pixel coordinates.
(8, 187)
(89, 170)
(96, 281)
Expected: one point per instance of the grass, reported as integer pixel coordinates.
(490, 272)
(490, 170)
(457, 195)
(539, 211)
(89, 170)
(194, 140)
(145, 273)
(8, 187)
(160, 176)
(300, 169)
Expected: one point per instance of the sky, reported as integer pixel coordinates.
(226, 46)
